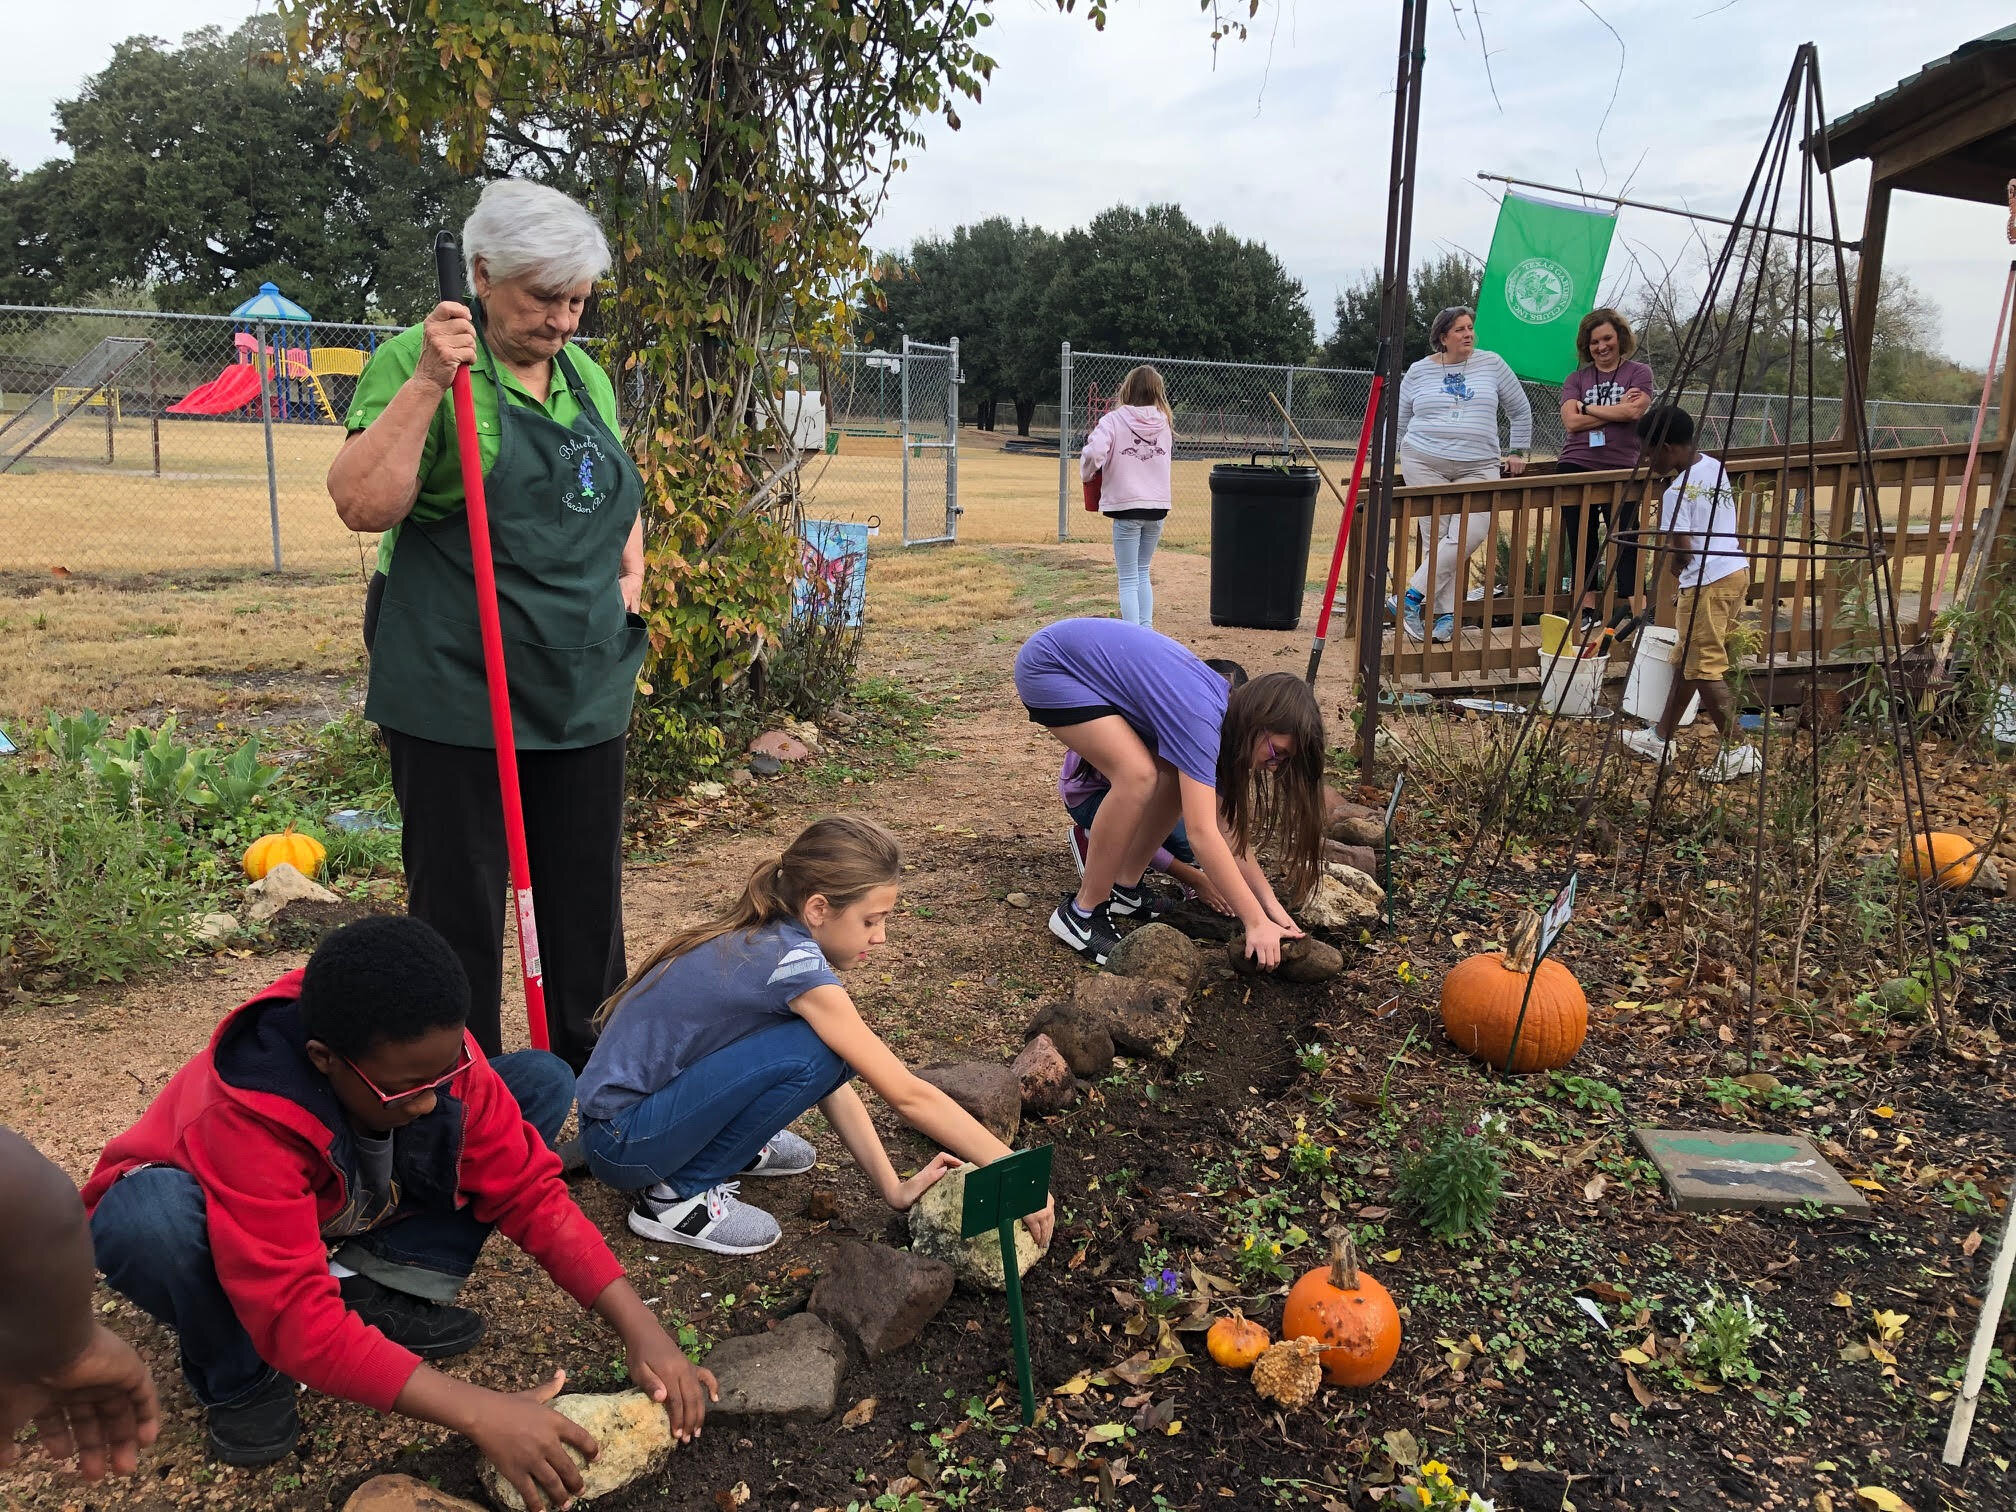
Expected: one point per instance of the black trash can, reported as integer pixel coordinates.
(1261, 518)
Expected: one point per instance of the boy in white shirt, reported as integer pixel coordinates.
(1698, 516)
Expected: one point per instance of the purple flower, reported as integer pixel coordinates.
(1170, 1282)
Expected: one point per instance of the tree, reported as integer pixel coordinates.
(1437, 284)
(1152, 281)
(200, 171)
(26, 244)
(983, 286)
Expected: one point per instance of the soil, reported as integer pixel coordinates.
(1504, 1375)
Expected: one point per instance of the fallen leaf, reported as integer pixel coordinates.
(1884, 1111)
(1842, 1299)
(1620, 1422)
(1402, 1446)
(1822, 1502)
(1507, 1462)
(1374, 1214)
(1390, 1255)
(1971, 1243)
(1890, 1325)
(1637, 1387)
(859, 1414)
(1865, 1183)
(1076, 1386)
(735, 1496)
(1595, 1189)
(1882, 1500)
(1634, 1357)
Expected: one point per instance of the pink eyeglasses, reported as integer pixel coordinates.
(1274, 757)
(389, 1098)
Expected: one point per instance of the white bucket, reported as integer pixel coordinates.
(1571, 684)
(1651, 679)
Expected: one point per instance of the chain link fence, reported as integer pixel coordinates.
(890, 439)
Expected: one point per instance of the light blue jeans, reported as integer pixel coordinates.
(1133, 547)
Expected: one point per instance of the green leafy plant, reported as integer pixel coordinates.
(1313, 1058)
(1719, 1335)
(1586, 1092)
(1455, 1183)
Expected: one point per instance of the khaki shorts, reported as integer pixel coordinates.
(1713, 608)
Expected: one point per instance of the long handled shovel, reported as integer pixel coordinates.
(1348, 501)
(448, 267)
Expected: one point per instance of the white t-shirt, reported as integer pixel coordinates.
(1699, 510)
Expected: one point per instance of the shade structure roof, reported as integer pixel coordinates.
(270, 304)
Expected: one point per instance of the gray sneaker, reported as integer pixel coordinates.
(714, 1220)
(785, 1155)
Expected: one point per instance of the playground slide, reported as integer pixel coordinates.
(232, 389)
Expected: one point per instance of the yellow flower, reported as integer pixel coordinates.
(1427, 1496)
(1434, 1467)
(1249, 1242)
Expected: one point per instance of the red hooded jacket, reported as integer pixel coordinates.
(262, 1132)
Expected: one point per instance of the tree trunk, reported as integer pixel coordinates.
(984, 414)
(1025, 411)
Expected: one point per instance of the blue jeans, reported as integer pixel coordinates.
(706, 1124)
(152, 1238)
(1086, 810)
(1133, 548)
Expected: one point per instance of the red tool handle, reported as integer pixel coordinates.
(1350, 511)
(448, 267)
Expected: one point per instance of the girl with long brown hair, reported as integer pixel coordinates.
(1243, 767)
(733, 1028)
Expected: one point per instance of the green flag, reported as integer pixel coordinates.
(1540, 280)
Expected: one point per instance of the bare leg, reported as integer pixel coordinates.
(1164, 806)
(1716, 701)
(1111, 745)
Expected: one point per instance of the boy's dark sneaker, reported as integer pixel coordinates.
(1136, 902)
(1091, 935)
(259, 1430)
(432, 1330)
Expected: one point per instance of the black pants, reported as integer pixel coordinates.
(1581, 561)
(458, 874)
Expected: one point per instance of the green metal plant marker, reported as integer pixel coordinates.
(996, 1195)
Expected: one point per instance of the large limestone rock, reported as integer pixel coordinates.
(1988, 879)
(1143, 1017)
(402, 1493)
(934, 1231)
(634, 1434)
(1158, 953)
(791, 1372)
(1303, 960)
(1045, 1078)
(1358, 857)
(1345, 898)
(1080, 1037)
(1370, 833)
(279, 887)
(878, 1298)
(991, 1093)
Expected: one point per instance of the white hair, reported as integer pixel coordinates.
(525, 230)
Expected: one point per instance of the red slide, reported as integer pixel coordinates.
(232, 389)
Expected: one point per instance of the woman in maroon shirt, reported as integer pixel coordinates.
(1600, 405)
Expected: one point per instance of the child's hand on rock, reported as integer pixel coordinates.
(662, 1371)
(1042, 1225)
(905, 1193)
(1263, 943)
(528, 1441)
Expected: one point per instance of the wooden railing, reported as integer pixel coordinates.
(1818, 611)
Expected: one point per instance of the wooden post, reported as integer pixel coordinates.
(1868, 285)
(1984, 1341)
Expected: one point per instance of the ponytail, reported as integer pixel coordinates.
(840, 859)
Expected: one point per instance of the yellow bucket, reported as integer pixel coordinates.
(1553, 635)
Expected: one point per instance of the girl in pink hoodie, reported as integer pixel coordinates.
(1132, 445)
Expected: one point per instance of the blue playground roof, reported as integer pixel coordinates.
(270, 304)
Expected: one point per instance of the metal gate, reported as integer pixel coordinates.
(929, 425)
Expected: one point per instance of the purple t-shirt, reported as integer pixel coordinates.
(1620, 438)
(1173, 701)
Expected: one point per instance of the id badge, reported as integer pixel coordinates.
(1596, 438)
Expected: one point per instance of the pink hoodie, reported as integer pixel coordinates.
(1132, 445)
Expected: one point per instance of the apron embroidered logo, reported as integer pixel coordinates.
(584, 456)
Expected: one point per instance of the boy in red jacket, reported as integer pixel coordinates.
(304, 1198)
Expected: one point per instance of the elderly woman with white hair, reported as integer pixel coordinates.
(567, 537)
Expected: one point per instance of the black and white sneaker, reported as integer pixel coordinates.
(1091, 935)
(714, 1220)
(1136, 902)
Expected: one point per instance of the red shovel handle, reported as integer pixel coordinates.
(448, 267)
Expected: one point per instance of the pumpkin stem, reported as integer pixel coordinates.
(1522, 941)
(1343, 1260)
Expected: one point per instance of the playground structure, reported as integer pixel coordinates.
(92, 381)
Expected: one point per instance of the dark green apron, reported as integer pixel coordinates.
(561, 501)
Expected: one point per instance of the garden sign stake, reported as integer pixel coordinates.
(1386, 851)
(448, 268)
(1984, 1343)
(996, 1195)
(1559, 912)
(1349, 501)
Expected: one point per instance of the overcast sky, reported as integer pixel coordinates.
(1286, 139)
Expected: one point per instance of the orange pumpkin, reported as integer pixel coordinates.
(302, 852)
(1945, 860)
(1236, 1342)
(1481, 1000)
(1351, 1315)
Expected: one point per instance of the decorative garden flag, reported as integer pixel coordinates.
(1540, 280)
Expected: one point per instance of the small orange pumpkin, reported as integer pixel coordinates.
(1941, 858)
(1236, 1342)
(1349, 1313)
(302, 852)
(1481, 1000)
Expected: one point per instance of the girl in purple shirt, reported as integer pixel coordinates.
(1242, 768)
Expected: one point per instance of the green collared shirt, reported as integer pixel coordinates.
(440, 465)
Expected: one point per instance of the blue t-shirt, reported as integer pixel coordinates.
(1175, 703)
(695, 1004)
